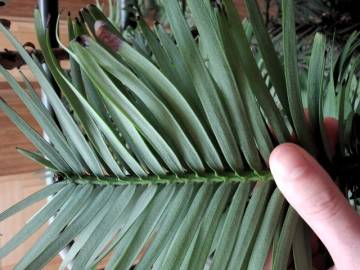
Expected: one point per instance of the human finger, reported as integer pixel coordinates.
(313, 194)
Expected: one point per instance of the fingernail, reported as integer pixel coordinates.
(287, 162)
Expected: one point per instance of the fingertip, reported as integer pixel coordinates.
(287, 161)
(312, 193)
(285, 149)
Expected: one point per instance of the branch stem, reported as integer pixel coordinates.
(171, 179)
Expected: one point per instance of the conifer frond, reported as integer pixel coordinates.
(161, 150)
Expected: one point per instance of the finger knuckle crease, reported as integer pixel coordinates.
(325, 206)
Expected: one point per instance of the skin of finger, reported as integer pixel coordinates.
(268, 262)
(309, 189)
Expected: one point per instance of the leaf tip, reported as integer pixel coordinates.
(107, 37)
(83, 40)
(5, 23)
(84, 9)
(91, 5)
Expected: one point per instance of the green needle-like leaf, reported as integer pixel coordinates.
(40, 143)
(130, 246)
(292, 77)
(64, 117)
(285, 241)
(67, 213)
(119, 101)
(38, 220)
(315, 80)
(181, 241)
(33, 198)
(256, 82)
(177, 211)
(37, 157)
(74, 228)
(45, 121)
(208, 227)
(204, 85)
(81, 239)
(144, 199)
(266, 232)
(171, 96)
(170, 127)
(231, 226)
(249, 226)
(159, 136)
(99, 234)
(220, 69)
(268, 53)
